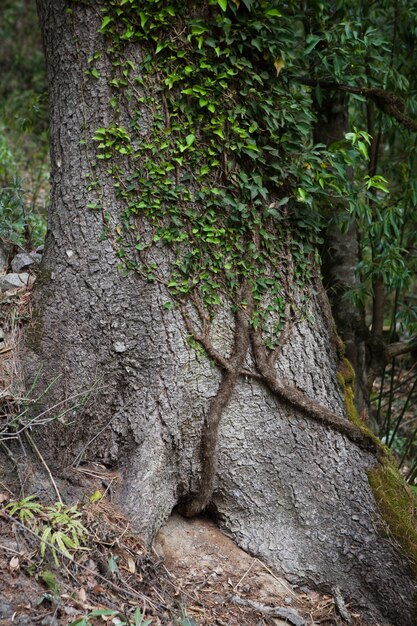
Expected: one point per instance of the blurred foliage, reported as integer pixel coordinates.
(24, 150)
(357, 46)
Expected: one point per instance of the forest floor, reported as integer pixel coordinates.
(193, 575)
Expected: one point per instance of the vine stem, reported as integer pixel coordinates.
(210, 434)
(300, 401)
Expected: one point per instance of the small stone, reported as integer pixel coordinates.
(21, 261)
(14, 281)
(37, 258)
(119, 346)
(69, 253)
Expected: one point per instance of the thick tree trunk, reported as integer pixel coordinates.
(291, 482)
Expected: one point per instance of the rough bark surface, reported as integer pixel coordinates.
(288, 488)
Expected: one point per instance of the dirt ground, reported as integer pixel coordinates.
(193, 576)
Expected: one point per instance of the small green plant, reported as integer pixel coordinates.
(27, 510)
(118, 618)
(121, 620)
(59, 526)
(64, 530)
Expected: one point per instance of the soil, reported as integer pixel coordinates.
(193, 576)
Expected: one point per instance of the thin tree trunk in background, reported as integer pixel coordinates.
(340, 254)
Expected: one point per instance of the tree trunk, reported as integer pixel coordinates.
(340, 254)
(291, 479)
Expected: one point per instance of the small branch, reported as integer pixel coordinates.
(80, 455)
(283, 338)
(205, 342)
(250, 374)
(210, 432)
(301, 402)
(386, 101)
(42, 460)
(401, 347)
(288, 614)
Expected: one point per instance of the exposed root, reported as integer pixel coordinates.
(300, 401)
(210, 434)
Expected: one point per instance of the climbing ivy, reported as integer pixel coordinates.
(215, 153)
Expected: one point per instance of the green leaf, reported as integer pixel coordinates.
(112, 565)
(222, 4)
(50, 581)
(190, 139)
(106, 21)
(273, 13)
(96, 496)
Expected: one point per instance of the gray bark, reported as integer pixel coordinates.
(288, 488)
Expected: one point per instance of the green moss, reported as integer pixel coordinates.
(396, 503)
(397, 506)
(340, 344)
(346, 379)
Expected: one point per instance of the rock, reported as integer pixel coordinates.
(37, 258)
(21, 261)
(14, 281)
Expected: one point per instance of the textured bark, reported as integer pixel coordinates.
(289, 488)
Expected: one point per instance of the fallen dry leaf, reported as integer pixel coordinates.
(82, 595)
(14, 564)
(131, 565)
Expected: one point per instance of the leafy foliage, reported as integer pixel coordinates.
(227, 167)
(58, 526)
(23, 127)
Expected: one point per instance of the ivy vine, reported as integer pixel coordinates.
(226, 173)
(210, 149)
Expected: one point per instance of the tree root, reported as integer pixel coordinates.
(288, 614)
(232, 369)
(303, 403)
(210, 434)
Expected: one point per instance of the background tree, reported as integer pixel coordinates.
(360, 59)
(180, 273)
